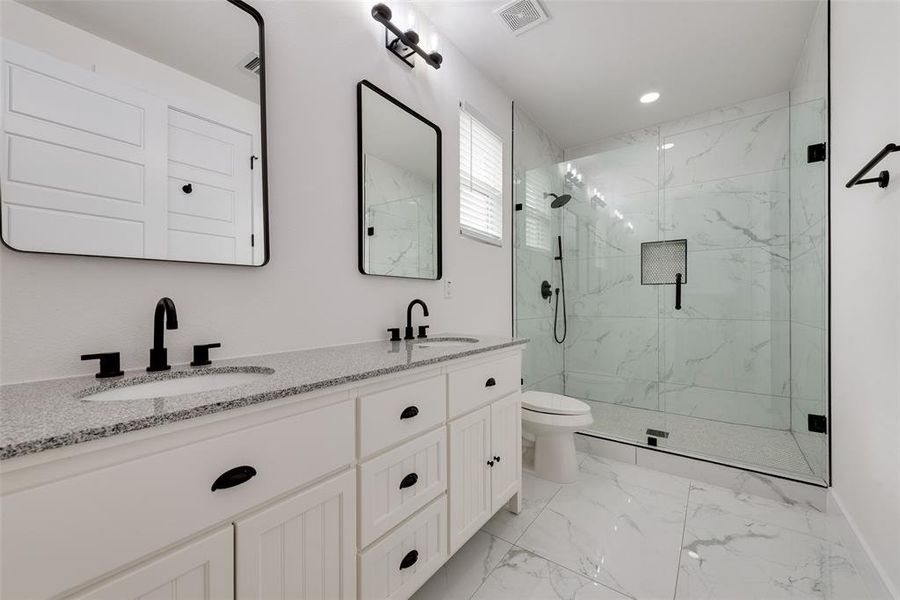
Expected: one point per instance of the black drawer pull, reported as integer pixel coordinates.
(233, 477)
(409, 481)
(409, 560)
(490, 382)
(409, 412)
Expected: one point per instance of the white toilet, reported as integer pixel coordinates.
(551, 420)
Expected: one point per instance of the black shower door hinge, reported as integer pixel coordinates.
(817, 423)
(370, 231)
(518, 206)
(816, 153)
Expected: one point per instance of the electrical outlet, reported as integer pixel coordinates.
(448, 289)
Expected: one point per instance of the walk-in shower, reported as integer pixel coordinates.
(695, 259)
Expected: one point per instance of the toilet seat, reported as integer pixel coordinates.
(553, 404)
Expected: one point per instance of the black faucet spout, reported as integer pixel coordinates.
(409, 327)
(165, 313)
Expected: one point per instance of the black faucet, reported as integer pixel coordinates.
(165, 310)
(409, 327)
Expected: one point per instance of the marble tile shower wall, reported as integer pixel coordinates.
(809, 246)
(400, 207)
(721, 179)
(536, 155)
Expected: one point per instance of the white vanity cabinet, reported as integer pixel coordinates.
(485, 465)
(465, 420)
(360, 491)
(303, 547)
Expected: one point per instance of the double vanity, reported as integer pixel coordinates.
(344, 472)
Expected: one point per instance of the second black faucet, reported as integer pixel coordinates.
(395, 331)
(165, 311)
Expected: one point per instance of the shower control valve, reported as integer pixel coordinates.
(546, 292)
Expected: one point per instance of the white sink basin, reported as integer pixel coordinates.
(202, 382)
(446, 342)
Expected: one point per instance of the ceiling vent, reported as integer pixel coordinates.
(522, 15)
(250, 64)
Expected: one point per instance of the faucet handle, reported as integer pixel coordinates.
(395, 333)
(422, 329)
(201, 354)
(109, 364)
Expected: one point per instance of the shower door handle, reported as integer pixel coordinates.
(678, 291)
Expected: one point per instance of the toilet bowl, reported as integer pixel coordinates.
(552, 420)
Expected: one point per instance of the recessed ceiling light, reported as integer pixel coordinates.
(650, 97)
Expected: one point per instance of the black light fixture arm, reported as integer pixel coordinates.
(405, 43)
(883, 178)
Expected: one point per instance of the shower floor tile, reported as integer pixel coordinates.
(772, 450)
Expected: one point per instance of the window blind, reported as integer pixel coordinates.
(480, 180)
(537, 209)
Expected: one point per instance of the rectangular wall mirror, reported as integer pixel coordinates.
(399, 188)
(134, 129)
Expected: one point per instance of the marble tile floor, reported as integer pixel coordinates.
(772, 450)
(623, 531)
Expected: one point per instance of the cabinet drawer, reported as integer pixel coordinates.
(134, 508)
(473, 386)
(397, 414)
(399, 564)
(400, 482)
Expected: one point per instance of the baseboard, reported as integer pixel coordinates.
(881, 572)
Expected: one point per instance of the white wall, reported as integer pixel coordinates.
(54, 308)
(865, 271)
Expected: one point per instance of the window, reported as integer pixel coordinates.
(537, 209)
(480, 179)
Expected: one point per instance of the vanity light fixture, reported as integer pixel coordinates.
(649, 97)
(404, 43)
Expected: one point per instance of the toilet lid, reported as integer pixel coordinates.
(553, 404)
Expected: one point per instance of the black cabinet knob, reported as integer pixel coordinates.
(201, 354)
(395, 334)
(490, 382)
(409, 560)
(233, 477)
(409, 412)
(109, 364)
(409, 481)
(496, 459)
(490, 463)
(187, 188)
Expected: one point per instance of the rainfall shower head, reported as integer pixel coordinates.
(558, 201)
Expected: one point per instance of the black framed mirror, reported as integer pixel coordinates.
(134, 130)
(399, 171)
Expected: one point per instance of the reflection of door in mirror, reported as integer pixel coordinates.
(120, 140)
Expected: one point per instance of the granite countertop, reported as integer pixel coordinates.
(41, 415)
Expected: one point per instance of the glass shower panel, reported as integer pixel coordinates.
(537, 226)
(611, 355)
